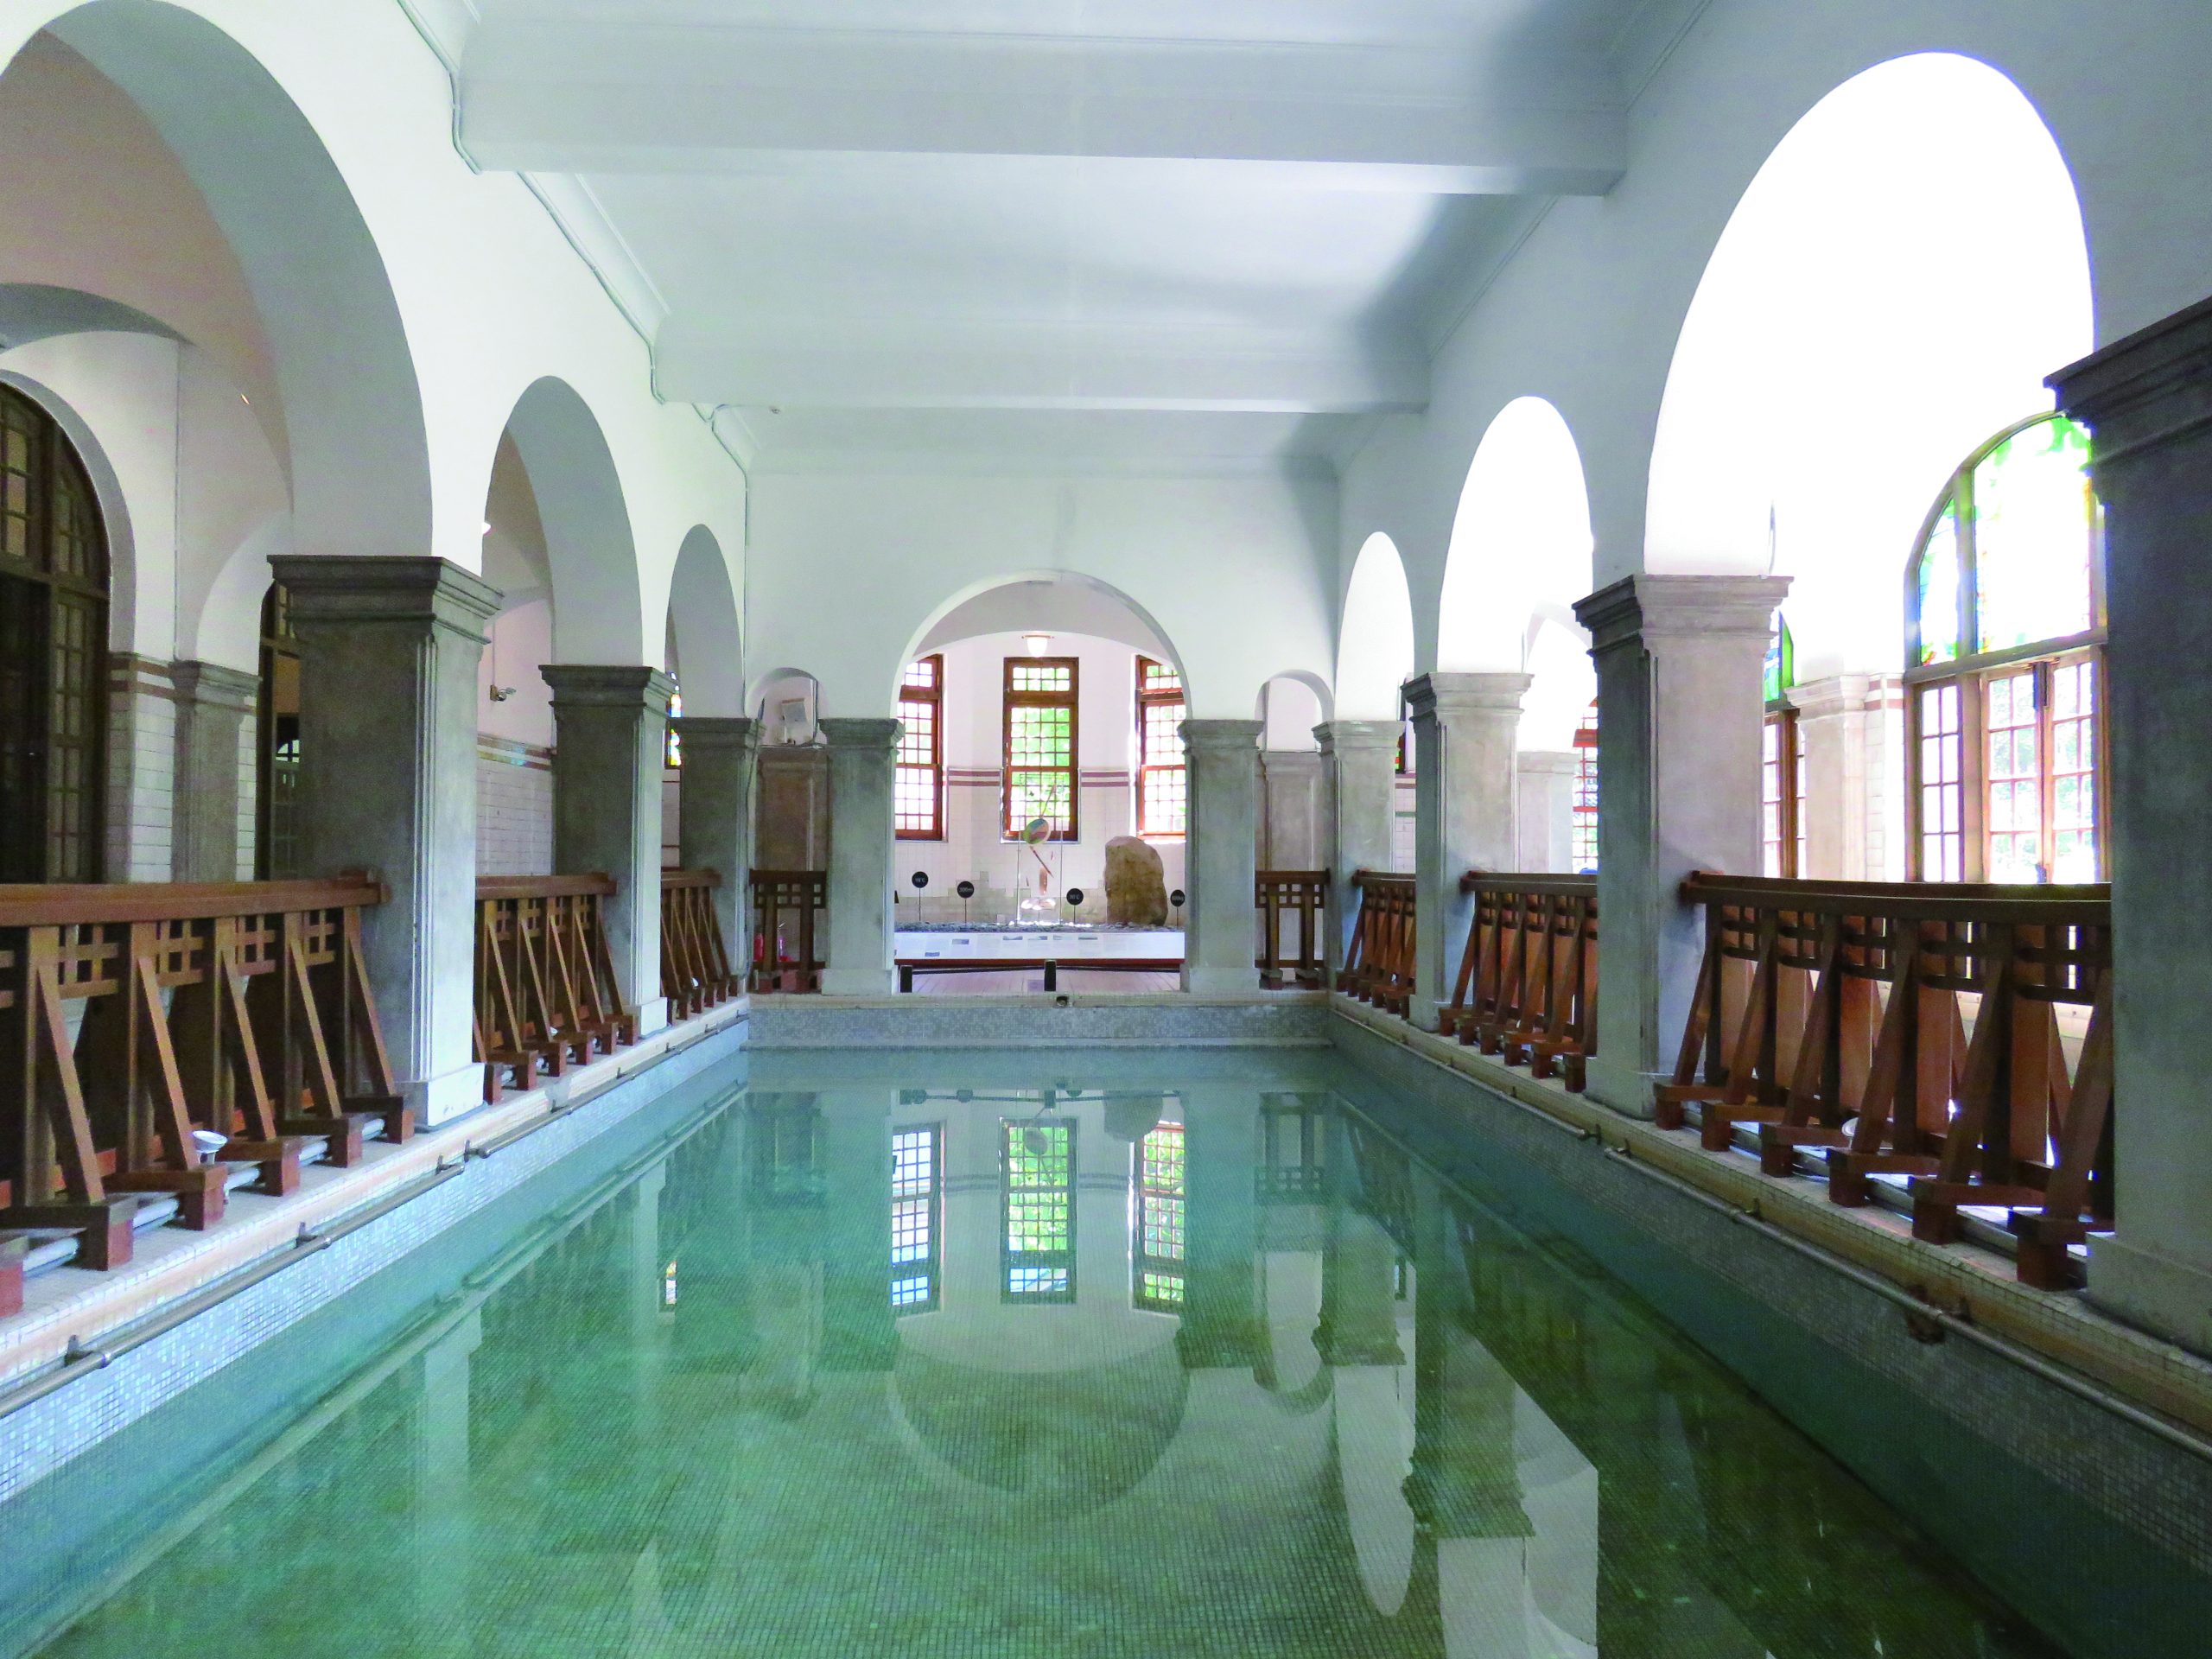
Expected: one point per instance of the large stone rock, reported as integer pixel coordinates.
(1136, 883)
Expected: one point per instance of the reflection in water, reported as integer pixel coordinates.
(1024, 1371)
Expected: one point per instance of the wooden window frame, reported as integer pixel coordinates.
(1145, 765)
(1071, 700)
(1790, 769)
(933, 695)
(51, 461)
(1011, 1260)
(1585, 769)
(278, 642)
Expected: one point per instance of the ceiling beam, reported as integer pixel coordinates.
(598, 98)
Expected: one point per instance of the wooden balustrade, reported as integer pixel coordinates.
(790, 911)
(1836, 1016)
(546, 994)
(242, 1010)
(1379, 964)
(1303, 895)
(1527, 984)
(695, 970)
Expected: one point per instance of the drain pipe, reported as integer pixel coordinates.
(1941, 1321)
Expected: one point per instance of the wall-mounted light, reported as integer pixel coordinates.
(1039, 644)
(501, 693)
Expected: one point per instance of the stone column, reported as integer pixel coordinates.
(388, 655)
(1464, 816)
(1543, 784)
(610, 723)
(863, 756)
(214, 706)
(716, 831)
(2149, 399)
(1359, 782)
(1851, 730)
(1681, 696)
(1220, 949)
(1291, 835)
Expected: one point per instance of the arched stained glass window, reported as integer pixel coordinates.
(54, 599)
(2004, 662)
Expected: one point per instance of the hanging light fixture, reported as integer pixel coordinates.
(1038, 642)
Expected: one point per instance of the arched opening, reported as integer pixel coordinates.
(1374, 641)
(1293, 835)
(54, 605)
(1920, 216)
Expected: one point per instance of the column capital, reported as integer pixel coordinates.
(608, 685)
(2153, 386)
(1223, 736)
(1554, 763)
(351, 590)
(1646, 608)
(1428, 695)
(1845, 694)
(1345, 736)
(717, 731)
(213, 686)
(845, 733)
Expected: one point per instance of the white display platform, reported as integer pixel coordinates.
(1068, 945)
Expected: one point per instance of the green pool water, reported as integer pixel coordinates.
(1079, 1354)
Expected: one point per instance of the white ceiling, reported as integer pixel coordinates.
(1048, 231)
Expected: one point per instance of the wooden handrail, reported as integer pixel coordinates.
(694, 971)
(242, 1009)
(787, 940)
(1835, 1016)
(546, 994)
(1302, 893)
(1527, 984)
(1379, 964)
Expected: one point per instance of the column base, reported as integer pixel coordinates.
(1623, 1088)
(2167, 1298)
(441, 1099)
(1423, 1014)
(652, 1015)
(1209, 981)
(857, 981)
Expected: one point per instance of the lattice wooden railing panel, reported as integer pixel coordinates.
(546, 994)
(1300, 899)
(1958, 1035)
(239, 1010)
(695, 970)
(1528, 985)
(790, 921)
(1379, 964)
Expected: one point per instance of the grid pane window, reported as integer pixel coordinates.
(919, 785)
(1163, 780)
(1585, 793)
(1942, 791)
(2014, 775)
(2074, 771)
(1160, 1197)
(1771, 802)
(1041, 745)
(671, 748)
(1036, 1168)
(1782, 796)
(916, 1217)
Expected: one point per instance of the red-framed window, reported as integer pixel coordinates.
(1163, 776)
(918, 789)
(1040, 746)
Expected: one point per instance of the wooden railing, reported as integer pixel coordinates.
(546, 994)
(1527, 984)
(789, 908)
(1379, 964)
(1301, 896)
(239, 1010)
(1835, 1016)
(695, 970)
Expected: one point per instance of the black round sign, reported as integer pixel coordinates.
(921, 878)
(966, 889)
(1075, 896)
(1176, 897)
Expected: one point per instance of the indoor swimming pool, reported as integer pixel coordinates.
(1014, 1354)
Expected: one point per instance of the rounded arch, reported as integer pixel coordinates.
(1292, 703)
(598, 608)
(1920, 220)
(352, 415)
(1519, 540)
(1374, 641)
(704, 628)
(1051, 599)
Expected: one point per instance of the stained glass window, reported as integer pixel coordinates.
(1041, 747)
(1781, 763)
(2004, 647)
(1157, 1259)
(919, 786)
(671, 751)
(1037, 1192)
(1585, 793)
(1163, 796)
(916, 1218)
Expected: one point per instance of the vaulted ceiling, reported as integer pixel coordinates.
(1117, 230)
